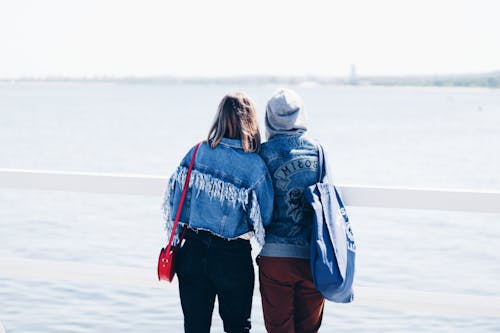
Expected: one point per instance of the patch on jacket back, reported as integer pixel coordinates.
(283, 173)
(298, 207)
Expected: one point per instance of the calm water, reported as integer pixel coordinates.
(375, 136)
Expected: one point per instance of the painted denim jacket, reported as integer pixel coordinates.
(230, 192)
(292, 160)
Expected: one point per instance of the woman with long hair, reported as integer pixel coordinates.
(229, 200)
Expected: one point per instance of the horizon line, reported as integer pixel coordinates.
(238, 76)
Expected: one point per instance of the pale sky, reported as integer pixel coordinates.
(232, 37)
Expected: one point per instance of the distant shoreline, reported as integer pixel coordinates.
(484, 80)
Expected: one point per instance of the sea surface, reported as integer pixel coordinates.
(410, 137)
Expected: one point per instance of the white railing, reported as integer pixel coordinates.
(384, 197)
(363, 196)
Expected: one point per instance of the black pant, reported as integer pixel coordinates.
(207, 266)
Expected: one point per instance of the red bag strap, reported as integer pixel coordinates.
(183, 196)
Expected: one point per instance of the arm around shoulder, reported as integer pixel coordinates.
(261, 206)
(265, 197)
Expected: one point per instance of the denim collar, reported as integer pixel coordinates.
(293, 133)
(234, 143)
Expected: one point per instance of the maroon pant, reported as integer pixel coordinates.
(290, 302)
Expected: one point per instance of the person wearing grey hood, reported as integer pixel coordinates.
(289, 300)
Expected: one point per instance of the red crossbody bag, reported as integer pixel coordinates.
(166, 259)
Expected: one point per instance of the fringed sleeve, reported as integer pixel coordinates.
(256, 219)
(166, 207)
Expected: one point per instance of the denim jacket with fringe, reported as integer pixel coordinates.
(292, 160)
(230, 192)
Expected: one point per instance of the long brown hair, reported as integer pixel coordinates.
(236, 118)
